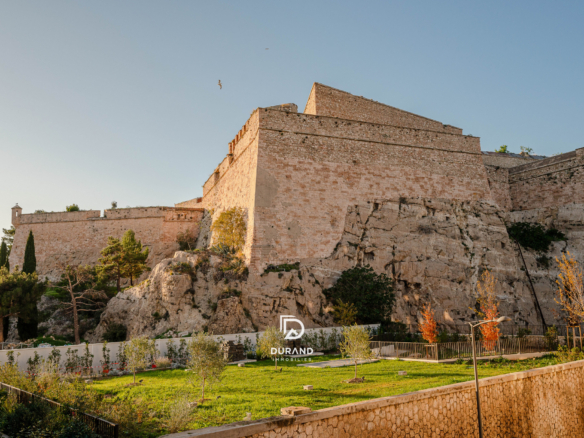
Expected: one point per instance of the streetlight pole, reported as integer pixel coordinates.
(474, 360)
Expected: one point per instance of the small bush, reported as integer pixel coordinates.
(115, 333)
(534, 236)
(283, 268)
(72, 207)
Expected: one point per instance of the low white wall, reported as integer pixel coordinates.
(161, 345)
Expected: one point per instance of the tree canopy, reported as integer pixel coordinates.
(370, 293)
(229, 229)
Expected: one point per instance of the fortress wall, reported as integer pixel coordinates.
(551, 182)
(386, 135)
(63, 240)
(309, 171)
(506, 160)
(328, 101)
(499, 184)
(234, 181)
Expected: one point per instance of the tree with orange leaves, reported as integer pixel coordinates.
(570, 292)
(489, 309)
(428, 326)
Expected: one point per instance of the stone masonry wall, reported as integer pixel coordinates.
(328, 101)
(310, 168)
(542, 403)
(499, 184)
(78, 237)
(551, 182)
(233, 183)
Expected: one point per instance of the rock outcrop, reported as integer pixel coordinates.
(434, 249)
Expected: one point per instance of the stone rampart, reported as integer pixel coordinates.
(310, 168)
(328, 101)
(78, 237)
(541, 403)
(551, 182)
(499, 184)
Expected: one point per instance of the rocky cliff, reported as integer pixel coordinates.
(434, 249)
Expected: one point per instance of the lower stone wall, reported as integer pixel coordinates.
(542, 403)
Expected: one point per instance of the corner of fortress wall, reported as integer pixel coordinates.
(78, 237)
(311, 167)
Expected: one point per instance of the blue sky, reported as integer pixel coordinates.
(109, 100)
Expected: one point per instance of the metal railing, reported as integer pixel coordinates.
(14, 345)
(100, 426)
(461, 350)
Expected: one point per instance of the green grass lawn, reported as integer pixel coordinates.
(258, 389)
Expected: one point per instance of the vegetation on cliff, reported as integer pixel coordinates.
(370, 293)
(534, 236)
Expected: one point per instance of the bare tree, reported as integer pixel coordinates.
(79, 282)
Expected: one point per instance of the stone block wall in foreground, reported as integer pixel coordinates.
(544, 403)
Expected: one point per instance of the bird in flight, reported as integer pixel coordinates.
(220, 86)
(267, 48)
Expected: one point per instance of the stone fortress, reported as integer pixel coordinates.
(352, 181)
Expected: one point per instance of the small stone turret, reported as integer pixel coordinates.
(16, 213)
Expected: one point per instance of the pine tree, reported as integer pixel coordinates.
(134, 257)
(112, 262)
(29, 265)
(27, 324)
(4, 256)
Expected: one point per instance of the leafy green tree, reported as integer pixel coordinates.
(503, 149)
(28, 322)
(229, 229)
(270, 344)
(525, 150)
(206, 361)
(112, 261)
(4, 256)
(356, 344)
(72, 207)
(370, 293)
(19, 293)
(344, 313)
(139, 353)
(134, 256)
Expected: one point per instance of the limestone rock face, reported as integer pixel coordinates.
(434, 249)
(190, 292)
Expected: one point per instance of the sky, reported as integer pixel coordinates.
(119, 101)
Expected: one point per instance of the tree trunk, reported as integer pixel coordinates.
(355, 369)
(134, 371)
(118, 280)
(75, 322)
(203, 398)
(276, 363)
(131, 280)
(2, 329)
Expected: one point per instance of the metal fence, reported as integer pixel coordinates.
(506, 329)
(462, 350)
(14, 345)
(100, 426)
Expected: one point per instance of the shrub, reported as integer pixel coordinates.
(115, 333)
(179, 413)
(72, 207)
(370, 293)
(534, 236)
(270, 344)
(428, 326)
(344, 313)
(229, 229)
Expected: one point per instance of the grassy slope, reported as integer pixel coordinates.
(258, 389)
